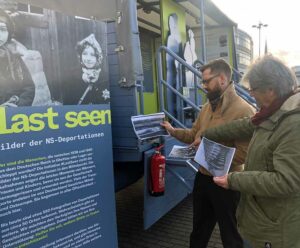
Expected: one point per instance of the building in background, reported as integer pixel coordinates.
(297, 71)
(244, 50)
(219, 44)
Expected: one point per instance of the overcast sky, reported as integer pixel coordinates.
(282, 17)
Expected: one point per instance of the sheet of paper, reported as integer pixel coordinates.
(182, 152)
(148, 126)
(214, 157)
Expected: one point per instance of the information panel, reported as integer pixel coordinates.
(56, 183)
(56, 168)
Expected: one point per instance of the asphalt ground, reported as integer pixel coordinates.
(171, 231)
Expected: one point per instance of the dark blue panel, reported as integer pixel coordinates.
(116, 89)
(127, 173)
(123, 106)
(114, 80)
(124, 101)
(126, 113)
(114, 70)
(111, 48)
(113, 59)
(61, 178)
(175, 189)
(112, 37)
(120, 121)
(111, 27)
(124, 155)
(124, 134)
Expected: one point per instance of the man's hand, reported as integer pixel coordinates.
(222, 181)
(196, 143)
(167, 126)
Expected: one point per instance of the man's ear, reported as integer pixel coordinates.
(223, 79)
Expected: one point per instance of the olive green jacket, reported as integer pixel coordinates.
(269, 209)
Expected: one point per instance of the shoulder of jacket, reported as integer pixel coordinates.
(244, 106)
(205, 107)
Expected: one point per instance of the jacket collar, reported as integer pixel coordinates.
(292, 102)
(290, 106)
(227, 97)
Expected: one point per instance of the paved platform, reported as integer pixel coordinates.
(171, 231)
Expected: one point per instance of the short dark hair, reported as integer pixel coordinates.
(5, 18)
(218, 66)
(271, 72)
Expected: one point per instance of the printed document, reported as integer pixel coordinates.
(182, 152)
(148, 126)
(214, 157)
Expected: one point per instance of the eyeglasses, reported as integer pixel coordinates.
(206, 81)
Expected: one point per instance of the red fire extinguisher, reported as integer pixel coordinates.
(157, 173)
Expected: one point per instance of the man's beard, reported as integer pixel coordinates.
(214, 94)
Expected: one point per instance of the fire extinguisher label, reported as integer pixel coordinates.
(161, 177)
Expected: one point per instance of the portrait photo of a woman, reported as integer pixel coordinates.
(90, 89)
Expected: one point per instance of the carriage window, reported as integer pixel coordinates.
(30, 9)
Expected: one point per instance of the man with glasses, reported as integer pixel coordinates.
(212, 203)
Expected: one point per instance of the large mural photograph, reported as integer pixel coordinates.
(52, 59)
(56, 183)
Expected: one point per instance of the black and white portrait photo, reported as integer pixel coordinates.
(84, 63)
(90, 89)
(49, 58)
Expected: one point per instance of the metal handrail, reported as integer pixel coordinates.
(241, 91)
(245, 95)
(237, 72)
(169, 115)
(163, 83)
